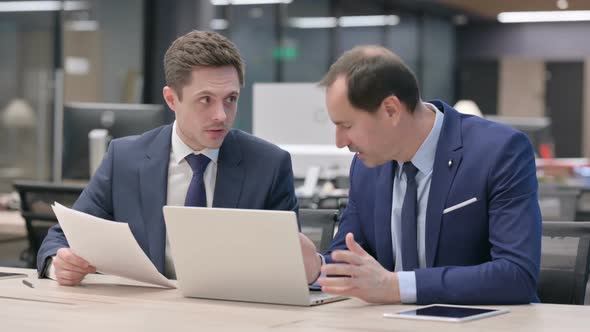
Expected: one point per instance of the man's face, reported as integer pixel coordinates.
(208, 107)
(370, 135)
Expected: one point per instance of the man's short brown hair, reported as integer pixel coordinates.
(372, 74)
(199, 49)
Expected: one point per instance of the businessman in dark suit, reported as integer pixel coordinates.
(197, 161)
(443, 206)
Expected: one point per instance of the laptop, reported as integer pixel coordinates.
(239, 255)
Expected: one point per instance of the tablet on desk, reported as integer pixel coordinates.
(447, 313)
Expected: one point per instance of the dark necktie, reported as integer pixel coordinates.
(196, 195)
(409, 213)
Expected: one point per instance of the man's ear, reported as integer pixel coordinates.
(392, 106)
(170, 97)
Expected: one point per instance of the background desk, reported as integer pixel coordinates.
(100, 306)
(13, 238)
(12, 224)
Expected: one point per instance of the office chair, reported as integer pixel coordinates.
(558, 203)
(565, 262)
(318, 225)
(36, 200)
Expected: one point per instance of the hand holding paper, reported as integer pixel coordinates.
(107, 245)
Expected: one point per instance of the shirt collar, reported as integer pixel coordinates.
(424, 157)
(180, 150)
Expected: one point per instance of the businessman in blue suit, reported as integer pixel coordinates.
(196, 161)
(443, 206)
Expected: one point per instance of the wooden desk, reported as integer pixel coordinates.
(102, 306)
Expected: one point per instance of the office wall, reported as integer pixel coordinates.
(438, 56)
(564, 105)
(164, 21)
(521, 87)
(252, 30)
(85, 83)
(26, 73)
(313, 47)
(426, 43)
(555, 41)
(37, 88)
(523, 80)
(478, 80)
(351, 37)
(404, 40)
(8, 90)
(586, 112)
(313, 54)
(121, 28)
(9, 64)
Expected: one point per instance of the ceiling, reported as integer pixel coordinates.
(491, 8)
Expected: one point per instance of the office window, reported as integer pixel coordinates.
(26, 94)
(103, 52)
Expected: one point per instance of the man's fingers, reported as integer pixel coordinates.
(68, 279)
(339, 269)
(68, 256)
(353, 246)
(335, 282)
(67, 282)
(61, 264)
(343, 291)
(70, 275)
(345, 256)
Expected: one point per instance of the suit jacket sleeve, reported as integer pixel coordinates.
(95, 200)
(282, 192)
(510, 277)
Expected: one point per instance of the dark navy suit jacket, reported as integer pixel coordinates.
(487, 252)
(131, 185)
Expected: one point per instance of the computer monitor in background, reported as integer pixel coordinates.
(118, 119)
(294, 116)
(538, 129)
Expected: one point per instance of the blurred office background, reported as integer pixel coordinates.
(56, 52)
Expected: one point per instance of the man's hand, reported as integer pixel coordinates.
(70, 269)
(362, 276)
(311, 260)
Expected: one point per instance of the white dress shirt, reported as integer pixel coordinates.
(179, 178)
(424, 162)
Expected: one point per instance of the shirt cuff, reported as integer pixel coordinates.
(50, 271)
(407, 286)
(321, 275)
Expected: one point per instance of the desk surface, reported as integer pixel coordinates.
(100, 305)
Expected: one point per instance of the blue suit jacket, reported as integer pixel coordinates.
(131, 185)
(487, 252)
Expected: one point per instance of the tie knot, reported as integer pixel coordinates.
(198, 162)
(410, 170)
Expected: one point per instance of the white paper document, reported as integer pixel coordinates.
(107, 245)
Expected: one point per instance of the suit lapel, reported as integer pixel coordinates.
(449, 148)
(230, 177)
(383, 196)
(153, 182)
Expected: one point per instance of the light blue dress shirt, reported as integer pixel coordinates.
(424, 161)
